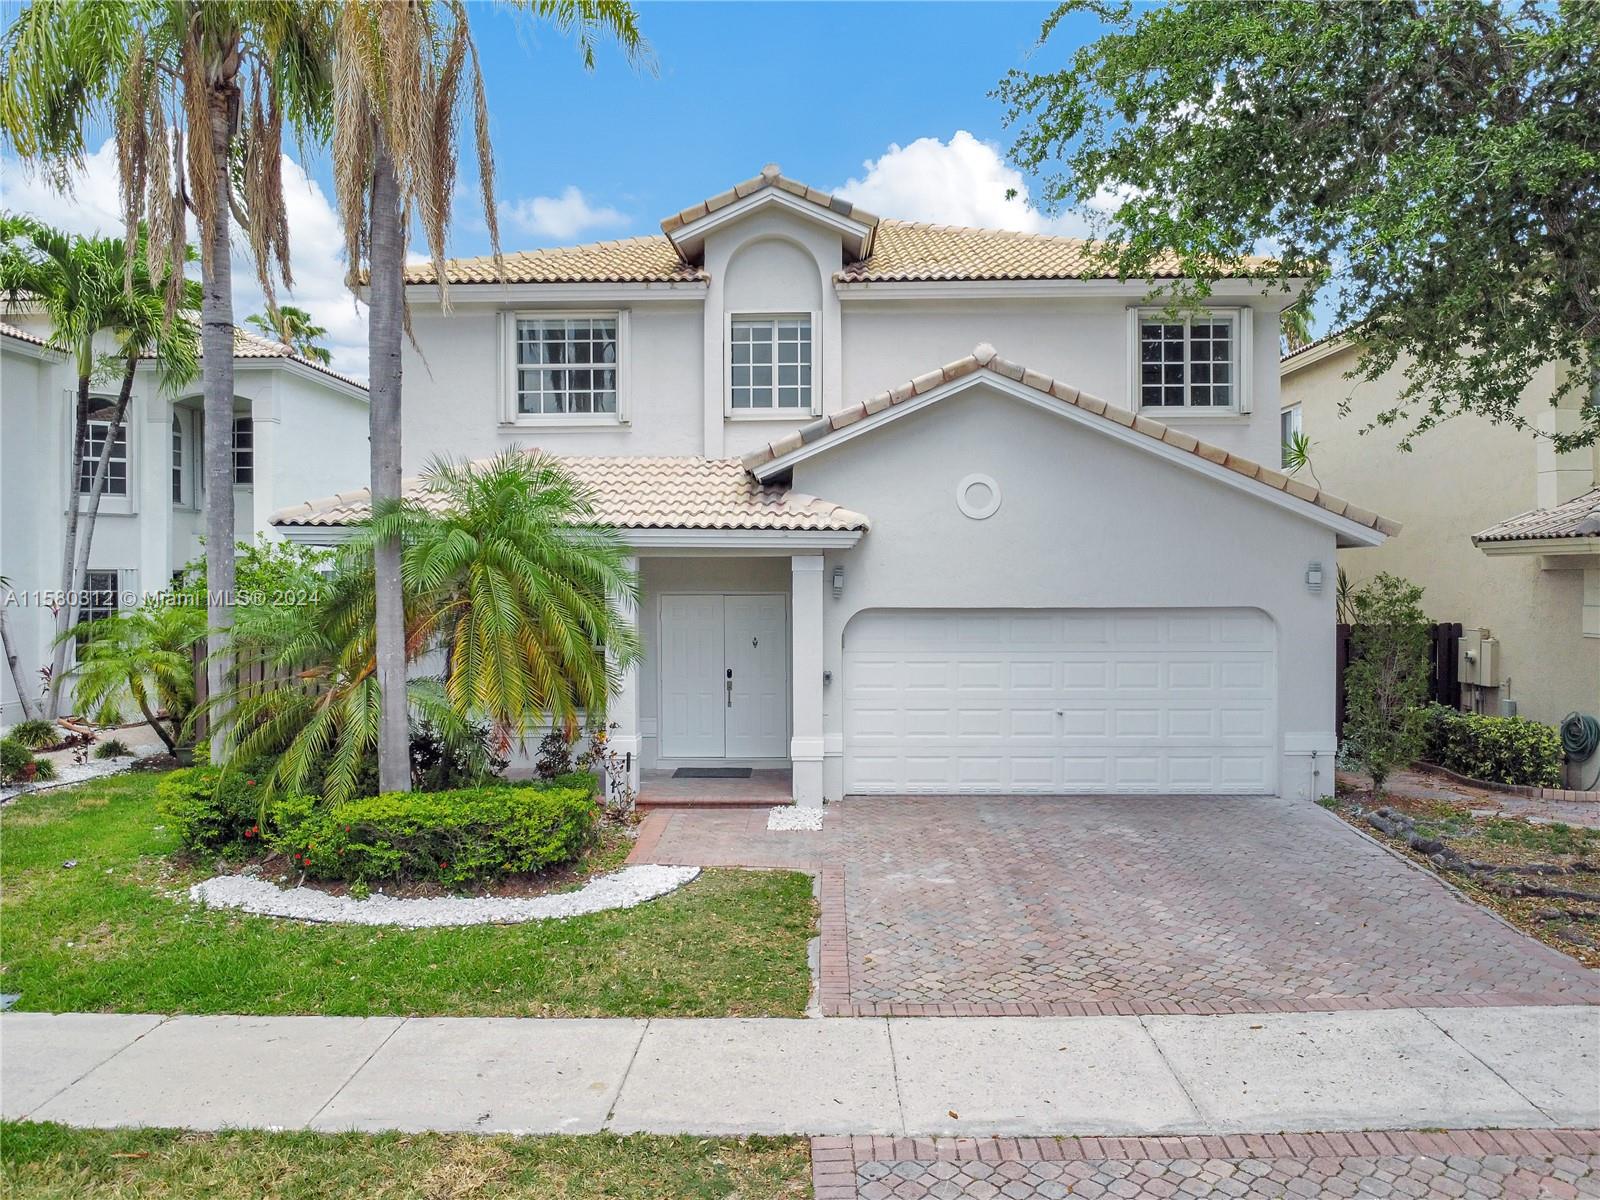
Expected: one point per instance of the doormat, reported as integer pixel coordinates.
(712, 773)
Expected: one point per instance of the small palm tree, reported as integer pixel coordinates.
(1295, 323)
(144, 655)
(295, 329)
(506, 577)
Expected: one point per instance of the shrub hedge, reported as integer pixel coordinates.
(1497, 749)
(211, 809)
(455, 837)
(18, 765)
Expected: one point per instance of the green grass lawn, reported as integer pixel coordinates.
(52, 1162)
(117, 933)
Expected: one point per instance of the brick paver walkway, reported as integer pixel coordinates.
(979, 905)
(1478, 1164)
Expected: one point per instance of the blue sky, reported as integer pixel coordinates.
(887, 103)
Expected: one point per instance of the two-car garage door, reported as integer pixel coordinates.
(1060, 701)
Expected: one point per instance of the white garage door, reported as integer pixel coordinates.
(1064, 701)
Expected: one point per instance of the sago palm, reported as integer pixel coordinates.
(403, 73)
(144, 655)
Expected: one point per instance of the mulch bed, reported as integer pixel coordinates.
(1542, 877)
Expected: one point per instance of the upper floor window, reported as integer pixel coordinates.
(1288, 429)
(116, 466)
(244, 451)
(1189, 361)
(770, 364)
(177, 459)
(566, 365)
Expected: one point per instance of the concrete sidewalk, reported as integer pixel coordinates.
(1535, 1067)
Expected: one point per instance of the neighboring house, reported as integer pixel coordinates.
(884, 559)
(298, 428)
(1532, 580)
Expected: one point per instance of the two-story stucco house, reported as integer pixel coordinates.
(917, 509)
(298, 429)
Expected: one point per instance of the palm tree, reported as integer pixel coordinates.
(145, 655)
(80, 284)
(1295, 322)
(295, 329)
(198, 93)
(30, 710)
(401, 74)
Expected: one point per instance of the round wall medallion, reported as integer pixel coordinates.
(978, 496)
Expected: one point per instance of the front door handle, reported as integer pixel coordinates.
(730, 687)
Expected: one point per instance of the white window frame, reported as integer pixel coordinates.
(509, 416)
(178, 479)
(127, 588)
(91, 459)
(814, 409)
(233, 450)
(1296, 425)
(1243, 321)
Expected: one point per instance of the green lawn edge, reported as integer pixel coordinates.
(116, 933)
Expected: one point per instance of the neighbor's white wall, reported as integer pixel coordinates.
(316, 444)
(31, 499)
(1084, 522)
(1460, 478)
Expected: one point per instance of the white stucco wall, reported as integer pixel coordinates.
(1459, 478)
(1084, 522)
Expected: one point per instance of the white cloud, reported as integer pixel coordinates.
(315, 242)
(562, 217)
(964, 181)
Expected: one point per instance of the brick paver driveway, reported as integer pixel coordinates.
(1127, 904)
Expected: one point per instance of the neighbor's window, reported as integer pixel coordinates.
(566, 365)
(1288, 427)
(99, 601)
(244, 450)
(1188, 362)
(177, 459)
(116, 465)
(771, 363)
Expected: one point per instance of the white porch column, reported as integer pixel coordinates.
(624, 707)
(805, 613)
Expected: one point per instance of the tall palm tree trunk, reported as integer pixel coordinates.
(216, 361)
(102, 468)
(385, 315)
(30, 710)
(66, 613)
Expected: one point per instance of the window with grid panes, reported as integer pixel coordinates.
(770, 364)
(1188, 362)
(566, 365)
(116, 465)
(101, 591)
(244, 450)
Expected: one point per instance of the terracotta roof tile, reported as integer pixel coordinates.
(651, 259)
(250, 345)
(914, 251)
(985, 358)
(1577, 518)
(771, 176)
(645, 493)
(22, 335)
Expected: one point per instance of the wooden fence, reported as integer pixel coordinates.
(1444, 685)
(252, 675)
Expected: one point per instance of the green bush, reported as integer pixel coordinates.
(14, 760)
(112, 748)
(452, 837)
(35, 735)
(211, 809)
(1496, 749)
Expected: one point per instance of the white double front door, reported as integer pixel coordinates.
(724, 676)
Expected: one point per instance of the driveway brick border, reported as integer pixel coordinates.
(836, 1160)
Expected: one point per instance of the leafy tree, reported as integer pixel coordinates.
(91, 287)
(295, 329)
(507, 581)
(1440, 161)
(403, 74)
(198, 93)
(1386, 682)
(145, 655)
